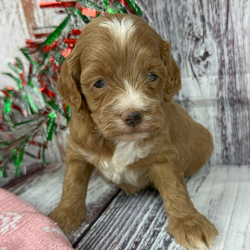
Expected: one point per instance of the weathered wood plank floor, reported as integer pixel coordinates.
(221, 193)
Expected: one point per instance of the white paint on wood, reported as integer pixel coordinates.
(13, 32)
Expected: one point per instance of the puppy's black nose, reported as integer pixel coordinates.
(133, 118)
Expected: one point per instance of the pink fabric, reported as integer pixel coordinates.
(23, 227)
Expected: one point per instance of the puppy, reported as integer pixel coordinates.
(120, 79)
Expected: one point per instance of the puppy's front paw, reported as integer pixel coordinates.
(68, 219)
(193, 231)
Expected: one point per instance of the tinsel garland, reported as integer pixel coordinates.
(33, 107)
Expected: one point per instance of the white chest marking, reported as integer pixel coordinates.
(115, 168)
(126, 153)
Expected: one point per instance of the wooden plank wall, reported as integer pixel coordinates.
(211, 44)
(18, 18)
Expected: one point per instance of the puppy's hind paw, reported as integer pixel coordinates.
(193, 231)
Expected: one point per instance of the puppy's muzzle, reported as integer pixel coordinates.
(132, 119)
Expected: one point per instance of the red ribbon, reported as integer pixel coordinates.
(85, 11)
(67, 4)
(19, 109)
(48, 48)
(47, 92)
(36, 143)
(71, 42)
(66, 52)
(37, 36)
(3, 129)
(23, 79)
(44, 89)
(54, 67)
(89, 12)
(76, 32)
(123, 2)
(6, 92)
(65, 108)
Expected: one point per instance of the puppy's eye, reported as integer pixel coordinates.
(99, 84)
(152, 77)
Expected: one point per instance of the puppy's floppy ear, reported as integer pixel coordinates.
(69, 82)
(173, 83)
